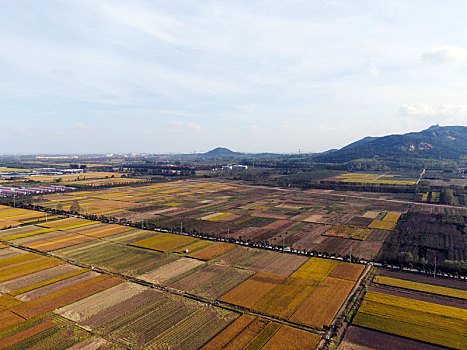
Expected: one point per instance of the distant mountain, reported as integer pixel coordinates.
(445, 142)
(221, 152)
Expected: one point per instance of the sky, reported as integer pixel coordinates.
(137, 76)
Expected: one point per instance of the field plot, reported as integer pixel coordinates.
(171, 270)
(165, 242)
(363, 338)
(248, 332)
(319, 309)
(213, 251)
(348, 232)
(13, 217)
(253, 289)
(294, 219)
(421, 287)
(424, 321)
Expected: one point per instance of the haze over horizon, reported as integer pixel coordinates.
(269, 76)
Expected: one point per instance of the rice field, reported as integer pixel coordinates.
(348, 232)
(212, 251)
(165, 242)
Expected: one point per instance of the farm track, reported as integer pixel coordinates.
(219, 304)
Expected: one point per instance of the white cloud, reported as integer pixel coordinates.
(446, 54)
(374, 70)
(179, 126)
(442, 110)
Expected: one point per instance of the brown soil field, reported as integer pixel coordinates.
(320, 308)
(212, 251)
(228, 334)
(54, 287)
(277, 224)
(437, 299)
(347, 271)
(95, 343)
(252, 290)
(292, 338)
(444, 282)
(285, 264)
(8, 319)
(171, 270)
(14, 339)
(358, 338)
(37, 277)
(65, 296)
(49, 246)
(377, 235)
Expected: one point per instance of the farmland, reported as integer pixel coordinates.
(403, 306)
(45, 297)
(311, 220)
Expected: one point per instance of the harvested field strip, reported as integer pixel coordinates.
(284, 299)
(57, 286)
(229, 333)
(56, 240)
(212, 251)
(171, 270)
(421, 287)
(316, 269)
(193, 247)
(26, 269)
(9, 319)
(110, 231)
(292, 338)
(37, 277)
(320, 308)
(47, 282)
(253, 289)
(165, 242)
(65, 296)
(39, 231)
(85, 308)
(64, 222)
(14, 339)
(347, 271)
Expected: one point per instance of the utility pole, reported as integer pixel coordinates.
(434, 272)
(181, 227)
(228, 234)
(350, 254)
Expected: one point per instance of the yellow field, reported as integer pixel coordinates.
(212, 251)
(422, 287)
(429, 322)
(165, 242)
(193, 247)
(382, 225)
(316, 269)
(392, 216)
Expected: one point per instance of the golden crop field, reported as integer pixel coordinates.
(421, 287)
(316, 269)
(425, 321)
(348, 232)
(382, 225)
(212, 251)
(165, 242)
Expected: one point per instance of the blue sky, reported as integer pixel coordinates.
(255, 76)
